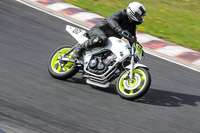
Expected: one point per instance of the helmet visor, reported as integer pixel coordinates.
(141, 18)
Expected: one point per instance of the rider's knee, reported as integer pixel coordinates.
(98, 41)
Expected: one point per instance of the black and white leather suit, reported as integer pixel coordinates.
(112, 27)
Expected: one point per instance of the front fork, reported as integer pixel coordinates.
(65, 58)
(131, 74)
(71, 49)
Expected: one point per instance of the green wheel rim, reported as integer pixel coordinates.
(55, 63)
(138, 83)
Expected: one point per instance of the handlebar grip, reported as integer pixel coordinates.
(124, 34)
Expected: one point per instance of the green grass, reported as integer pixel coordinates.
(177, 21)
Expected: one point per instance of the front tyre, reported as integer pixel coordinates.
(61, 69)
(135, 89)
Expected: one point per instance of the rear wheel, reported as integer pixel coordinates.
(135, 89)
(61, 69)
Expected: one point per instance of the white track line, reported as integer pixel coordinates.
(88, 29)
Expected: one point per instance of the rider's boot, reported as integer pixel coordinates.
(79, 50)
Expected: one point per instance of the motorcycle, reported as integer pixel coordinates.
(102, 65)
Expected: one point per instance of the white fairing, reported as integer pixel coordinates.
(116, 45)
(77, 33)
(119, 47)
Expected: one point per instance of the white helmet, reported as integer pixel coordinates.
(137, 12)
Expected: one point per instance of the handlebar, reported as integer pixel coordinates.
(129, 38)
(132, 41)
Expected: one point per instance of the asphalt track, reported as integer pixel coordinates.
(31, 101)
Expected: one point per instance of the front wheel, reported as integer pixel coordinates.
(61, 69)
(135, 89)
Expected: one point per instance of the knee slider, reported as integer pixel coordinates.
(97, 40)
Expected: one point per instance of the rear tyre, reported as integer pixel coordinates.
(135, 89)
(61, 69)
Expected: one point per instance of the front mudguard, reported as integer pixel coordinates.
(137, 65)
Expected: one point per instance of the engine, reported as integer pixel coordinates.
(100, 63)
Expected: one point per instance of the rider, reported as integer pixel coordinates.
(118, 23)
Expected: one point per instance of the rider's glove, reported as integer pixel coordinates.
(125, 33)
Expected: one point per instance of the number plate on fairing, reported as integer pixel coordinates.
(77, 33)
(138, 51)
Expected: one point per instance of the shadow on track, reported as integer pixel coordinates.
(168, 99)
(153, 96)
